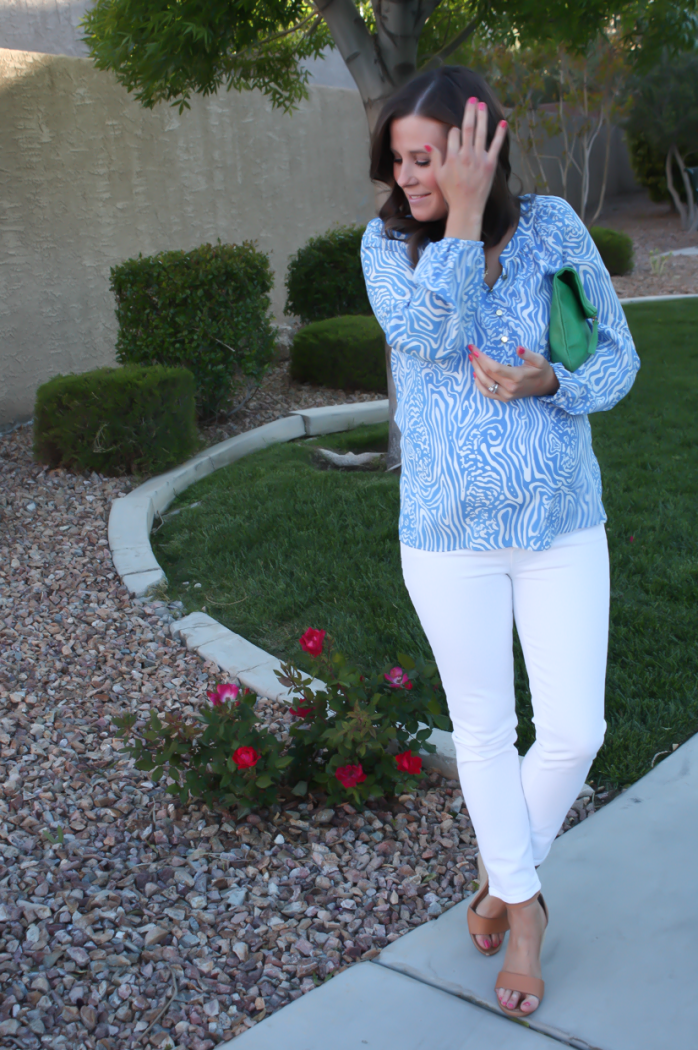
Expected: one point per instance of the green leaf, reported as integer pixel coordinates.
(301, 788)
(264, 781)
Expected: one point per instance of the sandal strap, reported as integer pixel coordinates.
(520, 982)
(480, 925)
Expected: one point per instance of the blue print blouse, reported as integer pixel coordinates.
(481, 474)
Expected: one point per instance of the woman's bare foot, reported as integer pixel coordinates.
(490, 908)
(527, 923)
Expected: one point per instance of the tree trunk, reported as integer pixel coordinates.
(602, 195)
(678, 203)
(393, 460)
(691, 209)
(379, 66)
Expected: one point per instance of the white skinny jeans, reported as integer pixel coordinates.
(467, 601)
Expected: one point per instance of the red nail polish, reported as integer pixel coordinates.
(520, 350)
(476, 353)
(482, 106)
(503, 124)
(472, 99)
(427, 149)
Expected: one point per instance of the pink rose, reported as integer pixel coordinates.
(246, 757)
(397, 678)
(223, 693)
(350, 775)
(312, 641)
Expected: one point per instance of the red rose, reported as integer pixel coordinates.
(302, 711)
(223, 693)
(350, 776)
(397, 678)
(312, 641)
(246, 757)
(409, 763)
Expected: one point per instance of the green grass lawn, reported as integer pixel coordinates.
(279, 545)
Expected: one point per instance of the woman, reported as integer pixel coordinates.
(501, 516)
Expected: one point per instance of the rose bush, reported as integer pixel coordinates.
(224, 756)
(352, 737)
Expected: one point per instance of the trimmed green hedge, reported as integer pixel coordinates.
(206, 310)
(344, 353)
(325, 279)
(615, 248)
(128, 420)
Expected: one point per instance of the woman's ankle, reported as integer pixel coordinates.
(520, 905)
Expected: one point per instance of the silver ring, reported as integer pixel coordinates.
(493, 389)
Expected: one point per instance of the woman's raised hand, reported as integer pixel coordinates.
(464, 175)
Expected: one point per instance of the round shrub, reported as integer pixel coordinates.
(206, 310)
(345, 353)
(325, 279)
(115, 421)
(615, 248)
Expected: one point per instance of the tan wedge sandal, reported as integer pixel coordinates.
(521, 982)
(480, 925)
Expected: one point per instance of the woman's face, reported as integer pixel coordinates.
(412, 167)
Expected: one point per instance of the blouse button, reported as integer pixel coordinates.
(504, 338)
(499, 313)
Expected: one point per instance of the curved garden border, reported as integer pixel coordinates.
(131, 519)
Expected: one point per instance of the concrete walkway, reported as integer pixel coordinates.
(619, 958)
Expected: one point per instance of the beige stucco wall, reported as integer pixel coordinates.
(89, 178)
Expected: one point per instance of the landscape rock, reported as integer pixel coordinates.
(119, 907)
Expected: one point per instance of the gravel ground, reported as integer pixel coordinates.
(654, 229)
(126, 920)
(279, 395)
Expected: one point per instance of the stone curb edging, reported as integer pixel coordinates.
(657, 298)
(131, 519)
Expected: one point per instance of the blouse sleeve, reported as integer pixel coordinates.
(608, 374)
(426, 311)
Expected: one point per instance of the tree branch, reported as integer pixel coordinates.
(439, 57)
(255, 48)
(356, 47)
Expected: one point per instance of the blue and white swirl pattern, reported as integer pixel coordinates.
(477, 473)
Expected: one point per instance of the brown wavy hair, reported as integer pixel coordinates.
(441, 94)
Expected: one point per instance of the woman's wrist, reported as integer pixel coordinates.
(551, 383)
(463, 225)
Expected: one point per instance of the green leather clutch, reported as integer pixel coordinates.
(572, 341)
